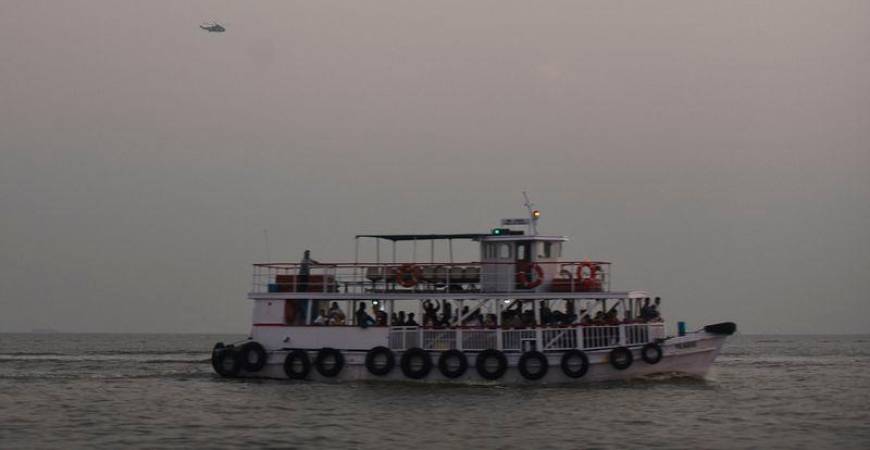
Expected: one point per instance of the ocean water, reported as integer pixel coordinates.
(150, 391)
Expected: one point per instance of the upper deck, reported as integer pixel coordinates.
(432, 280)
(511, 263)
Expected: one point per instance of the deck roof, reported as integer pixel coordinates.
(423, 237)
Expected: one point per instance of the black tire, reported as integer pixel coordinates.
(621, 358)
(300, 356)
(485, 372)
(372, 363)
(566, 363)
(726, 328)
(253, 356)
(226, 360)
(444, 364)
(408, 360)
(656, 355)
(543, 365)
(218, 346)
(320, 362)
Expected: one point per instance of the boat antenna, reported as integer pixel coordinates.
(534, 215)
(266, 241)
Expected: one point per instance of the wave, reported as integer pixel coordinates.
(153, 358)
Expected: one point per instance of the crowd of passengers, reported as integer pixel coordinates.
(442, 315)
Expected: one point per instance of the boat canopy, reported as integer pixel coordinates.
(422, 237)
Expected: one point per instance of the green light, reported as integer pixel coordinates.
(499, 231)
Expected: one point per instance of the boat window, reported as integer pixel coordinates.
(521, 252)
(548, 246)
(504, 251)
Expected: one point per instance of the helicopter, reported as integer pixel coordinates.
(213, 27)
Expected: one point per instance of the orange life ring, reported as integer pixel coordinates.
(524, 281)
(408, 275)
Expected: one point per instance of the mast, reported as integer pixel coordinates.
(534, 215)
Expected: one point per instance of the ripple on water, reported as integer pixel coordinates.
(104, 392)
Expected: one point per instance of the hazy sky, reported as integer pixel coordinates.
(717, 152)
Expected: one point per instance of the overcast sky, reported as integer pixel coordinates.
(717, 152)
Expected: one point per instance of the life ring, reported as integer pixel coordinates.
(523, 365)
(444, 364)
(320, 362)
(484, 371)
(408, 359)
(225, 360)
(567, 365)
(592, 282)
(408, 275)
(297, 356)
(373, 363)
(656, 355)
(621, 358)
(524, 280)
(255, 350)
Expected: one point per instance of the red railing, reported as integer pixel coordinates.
(562, 276)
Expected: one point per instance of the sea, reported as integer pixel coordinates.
(119, 391)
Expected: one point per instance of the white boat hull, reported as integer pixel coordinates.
(690, 355)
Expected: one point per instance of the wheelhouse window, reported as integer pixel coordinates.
(504, 251)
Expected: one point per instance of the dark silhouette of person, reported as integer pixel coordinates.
(363, 319)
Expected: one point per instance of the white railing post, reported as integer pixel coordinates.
(459, 339)
(498, 339)
(579, 331)
(622, 335)
(420, 336)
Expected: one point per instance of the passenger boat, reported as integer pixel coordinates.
(520, 315)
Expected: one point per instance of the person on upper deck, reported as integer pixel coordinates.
(305, 271)
(654, 312)
(645, 310)
(411, 322)
(363, 319)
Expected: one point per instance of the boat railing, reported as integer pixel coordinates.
(562, 276)
(542, 339)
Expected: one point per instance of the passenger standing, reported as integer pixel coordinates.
(302, 281)
(654, 312)
(430, 312)
(447, 314)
